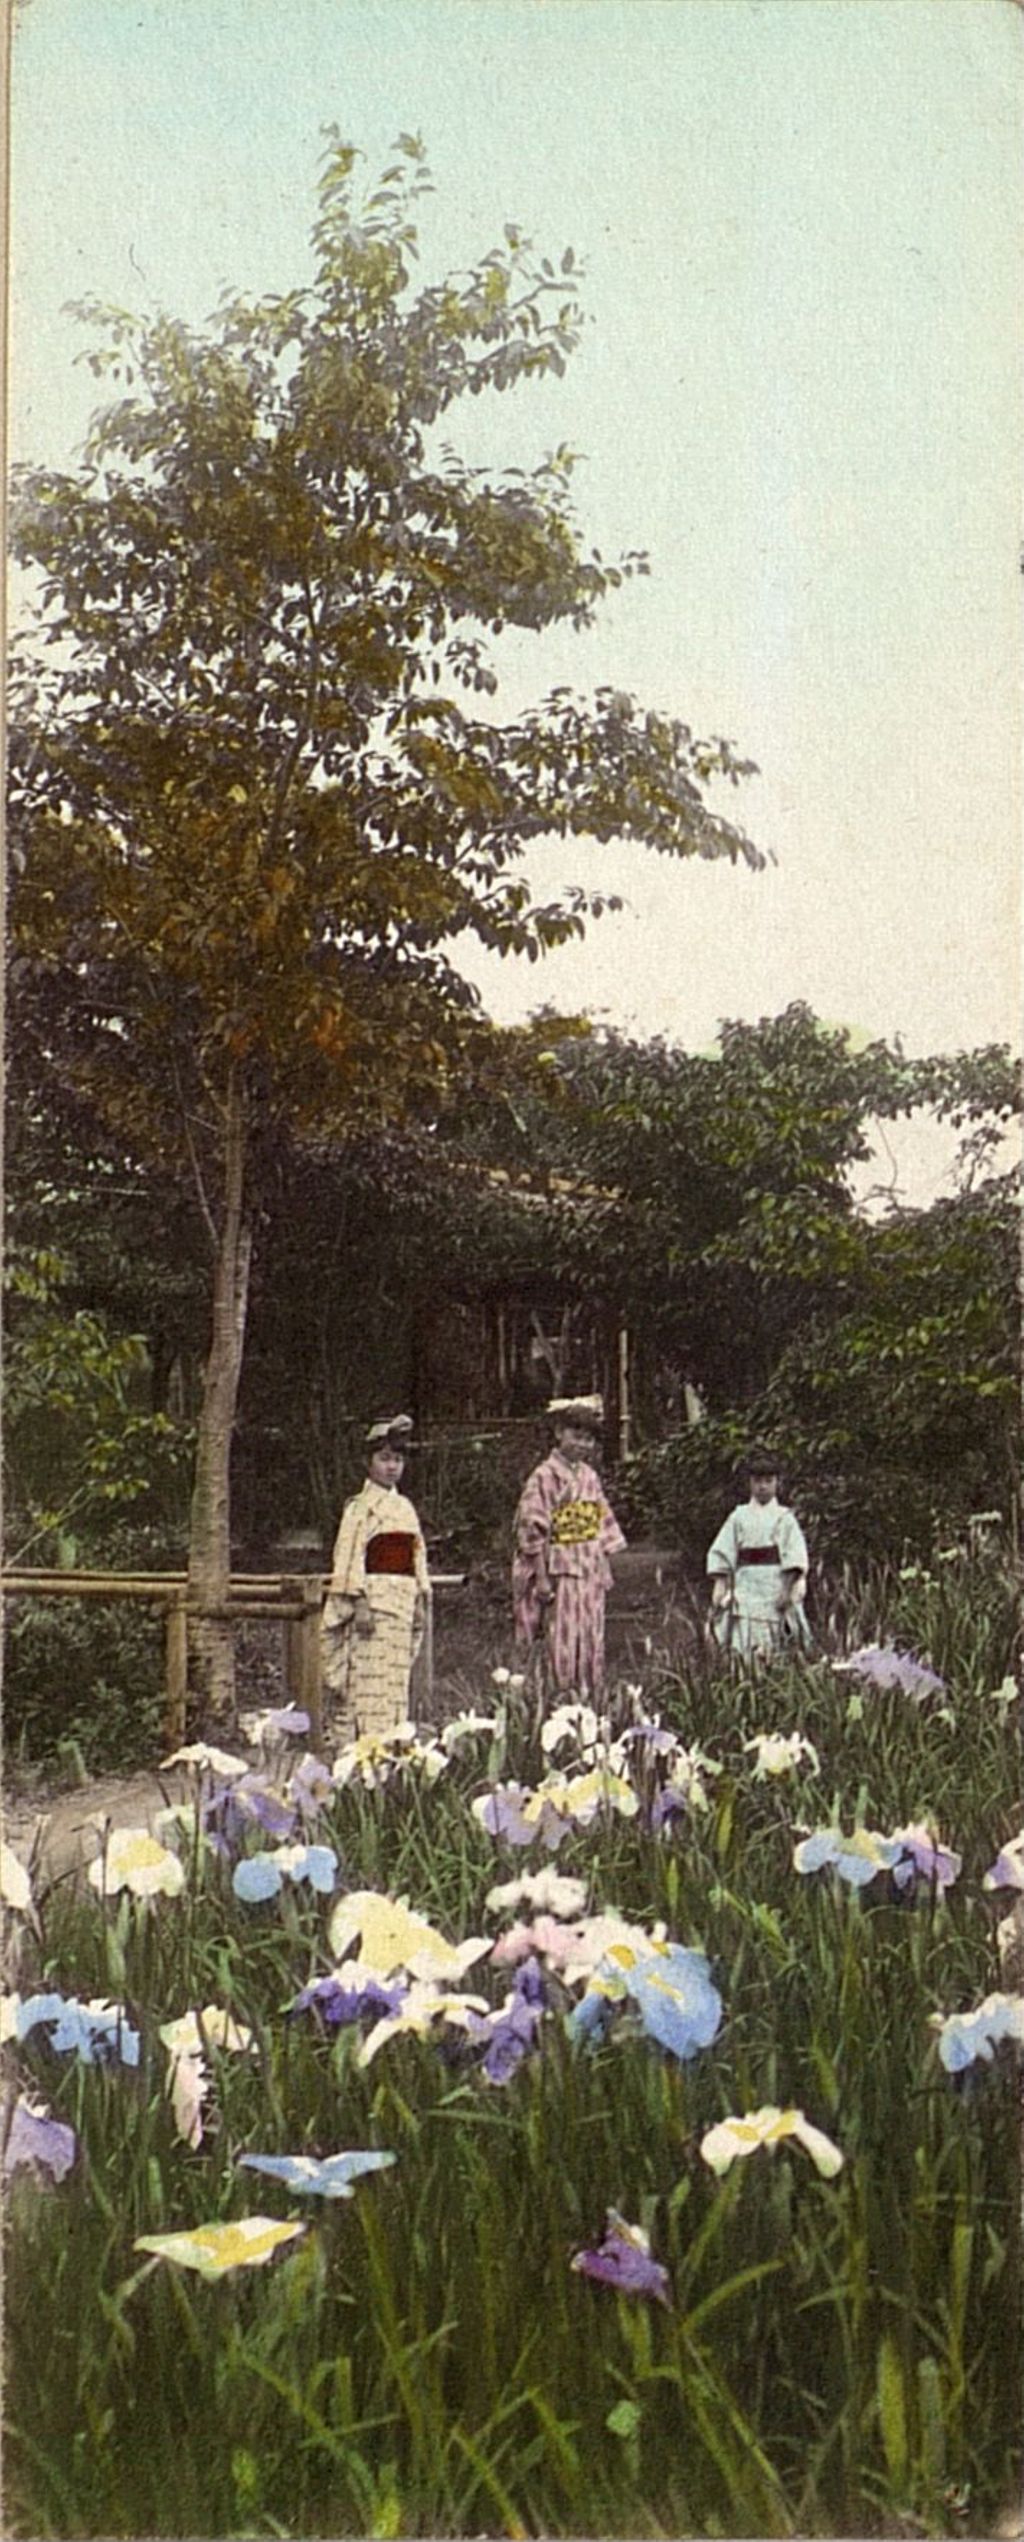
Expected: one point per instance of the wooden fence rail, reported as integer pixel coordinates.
(291, 1599)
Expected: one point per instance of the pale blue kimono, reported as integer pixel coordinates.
(760, 1542)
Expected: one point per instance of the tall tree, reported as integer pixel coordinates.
(256, 799)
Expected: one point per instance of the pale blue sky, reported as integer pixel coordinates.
(801, 227)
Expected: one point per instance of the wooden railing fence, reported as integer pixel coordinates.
(294, 1600)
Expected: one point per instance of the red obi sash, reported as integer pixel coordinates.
(394, 1553)
(758, 1554)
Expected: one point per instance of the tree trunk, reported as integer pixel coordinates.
(211, 1644)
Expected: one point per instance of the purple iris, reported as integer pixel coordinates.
(501, 1814)
(924, 1860)
(623, 2260)
(37, 2142)
(668, 1804)
(337, 2003)
(652, 1738)
(511, 2032)
(310, 1786)
(249, 1802)
(883, 1666)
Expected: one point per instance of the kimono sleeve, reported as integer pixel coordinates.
(421, 1566)
(348, 1569)
(611, 1538)
(722, 1554)
(793, 1554)
(533, 1524)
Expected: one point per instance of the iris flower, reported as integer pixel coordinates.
(773, 1754)
(188, 2082)
(285, 1722)
(188, 2085)
(250, 1801)
(546, 1892)
(193, 2032)
(511, 2031)
(677, 2004)
(575, 1950)
(575, 1725)
(261, 1875)
(349, 1996)
(310, 1785)
(96, 2032)
(207, 1760)
(334, 2177)
(669, 1987)
(924, 1858)
(623, 2260)
(500, 1813)
(967, 2036)
(1007, 1871)
(392, 1937)
(213, 2249)
(375, 1762)
(467, 1725)
(37, 2142)
(678, 1798)
(132, 1859)
(734, 2137)
(580, 1798)
(424, 2010)
(15, 1885)
(857, 1858)
(650, 1737)
(879, 1664)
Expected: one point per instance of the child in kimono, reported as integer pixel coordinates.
(564, 1533)
(758, 1569)
(376, 1604)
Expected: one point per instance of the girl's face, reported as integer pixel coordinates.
(386, 1466)
(573, 1441)
(763, 1487)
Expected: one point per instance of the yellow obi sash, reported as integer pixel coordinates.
(576, 1522)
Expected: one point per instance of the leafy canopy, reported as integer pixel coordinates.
(259, 785)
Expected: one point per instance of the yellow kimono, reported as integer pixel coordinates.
(379, 1574)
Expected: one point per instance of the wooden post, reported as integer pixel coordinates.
(176, 1668)
(292, 1653)
(310, 1696)
(625, 1407)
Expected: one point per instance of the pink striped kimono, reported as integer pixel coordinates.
(564, 1533)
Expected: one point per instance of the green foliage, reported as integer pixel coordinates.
(85, 1675)
(80, 1445)
(253, 803)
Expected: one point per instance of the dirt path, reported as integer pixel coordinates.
(58, 1833)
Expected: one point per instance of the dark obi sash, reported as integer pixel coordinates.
(758, 1553)
(394, 1553)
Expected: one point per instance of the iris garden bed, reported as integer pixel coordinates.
(681, 2184)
